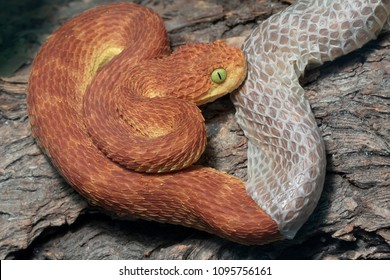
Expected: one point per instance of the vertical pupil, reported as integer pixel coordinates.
(218, 75)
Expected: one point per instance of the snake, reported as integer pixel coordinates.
(117, 114)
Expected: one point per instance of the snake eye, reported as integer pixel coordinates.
(218, 75)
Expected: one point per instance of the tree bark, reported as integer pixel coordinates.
(42, 217)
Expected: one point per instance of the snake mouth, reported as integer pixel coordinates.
(235, 76)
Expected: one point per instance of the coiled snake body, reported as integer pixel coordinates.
(96, 91)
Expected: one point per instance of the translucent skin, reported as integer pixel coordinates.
(286, 154)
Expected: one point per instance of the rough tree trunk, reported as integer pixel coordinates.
(41, 217)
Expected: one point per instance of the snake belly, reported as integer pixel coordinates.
(286, 154)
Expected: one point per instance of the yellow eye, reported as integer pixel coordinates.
(218, 75)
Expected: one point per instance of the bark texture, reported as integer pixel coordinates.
(41, 217)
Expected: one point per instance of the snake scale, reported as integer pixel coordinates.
(122, 129)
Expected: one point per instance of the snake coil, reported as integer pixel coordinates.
(105, 74)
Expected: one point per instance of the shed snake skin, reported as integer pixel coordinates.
(86, 94)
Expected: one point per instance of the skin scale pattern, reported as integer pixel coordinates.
(286, 154)
(73, 124)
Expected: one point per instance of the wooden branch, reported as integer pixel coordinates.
(41, 217)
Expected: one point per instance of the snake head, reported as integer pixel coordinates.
(214, 70)
(229, 75)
